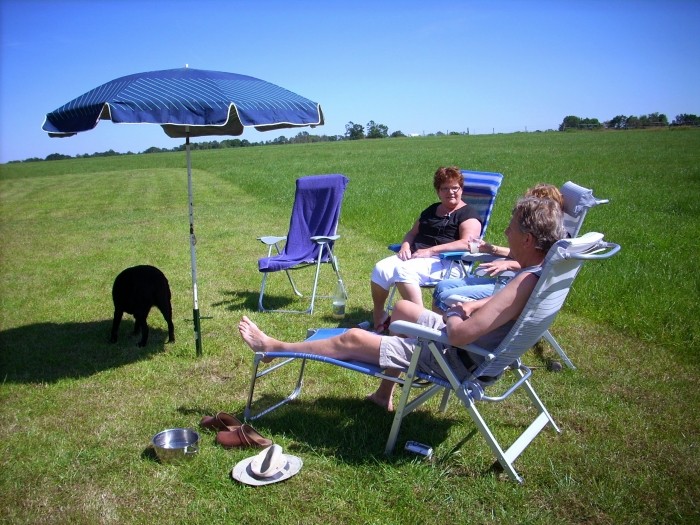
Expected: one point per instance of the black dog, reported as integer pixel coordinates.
(135, 291)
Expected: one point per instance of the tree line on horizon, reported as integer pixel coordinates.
(375, 130)
(653, 120)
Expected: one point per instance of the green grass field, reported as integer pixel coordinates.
(77, 414)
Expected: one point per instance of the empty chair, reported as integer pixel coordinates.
(312, 234)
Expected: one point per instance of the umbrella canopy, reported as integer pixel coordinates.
(187, 103)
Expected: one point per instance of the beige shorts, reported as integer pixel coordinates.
(396, 352)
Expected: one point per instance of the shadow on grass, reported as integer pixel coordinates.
(239, 301)
(47, 352)
(236, 301)
(350, 429)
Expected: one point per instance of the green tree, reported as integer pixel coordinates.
(633, 122)
(376, 131)
(354, 131)
(618, 122)
(656, 119)
(570, 122)
(57, 156)
(590, 123)
(685, 119)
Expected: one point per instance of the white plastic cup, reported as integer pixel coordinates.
(474, 246)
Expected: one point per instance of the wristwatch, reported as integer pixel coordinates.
(453, 314)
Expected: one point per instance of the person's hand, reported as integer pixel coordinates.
(464, 310)
(422, 253)
(487, 247)
(493, 268)
(404, 252)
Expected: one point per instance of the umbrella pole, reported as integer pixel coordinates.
(193, 254)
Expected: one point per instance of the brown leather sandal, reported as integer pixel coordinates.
(221, 421)
(243, 436)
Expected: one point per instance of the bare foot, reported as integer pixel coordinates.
(255, 338)
(387, 404)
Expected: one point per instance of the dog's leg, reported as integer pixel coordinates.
(140, 316)
(167, 311)
(115, 325)
(144, 333)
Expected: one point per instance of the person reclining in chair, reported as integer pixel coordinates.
(477, 287)
(536, 224)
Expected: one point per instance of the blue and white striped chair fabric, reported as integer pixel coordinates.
(480, 191)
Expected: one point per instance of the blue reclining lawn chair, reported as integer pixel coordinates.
(480, 191)
(312, 233)
(562, 264)
(577, 201)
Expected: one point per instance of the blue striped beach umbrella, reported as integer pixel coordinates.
(187, 103)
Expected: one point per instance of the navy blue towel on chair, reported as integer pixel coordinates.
(311, 236)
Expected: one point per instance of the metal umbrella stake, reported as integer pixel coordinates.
(187, 103)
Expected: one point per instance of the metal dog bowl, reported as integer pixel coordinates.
(175, 444)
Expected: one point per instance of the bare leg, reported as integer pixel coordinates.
(356, 344)
(383, 396)
(411, 292)
(379, 297)
(407, 311)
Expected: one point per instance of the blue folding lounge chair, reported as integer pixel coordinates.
(312, 234)
(561, 265)
(577, 201)
(480, 191)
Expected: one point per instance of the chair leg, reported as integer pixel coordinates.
(262, 308)
(336, 269)
(492, 442)
(294, 286)
(319, 261)
(318, 271)
(248, 414)
(558, 349)
(390, 300)
(405, 407)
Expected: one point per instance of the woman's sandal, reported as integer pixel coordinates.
(243, 436)
(221, 421)
(383, 327)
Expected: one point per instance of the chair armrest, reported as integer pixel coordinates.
(269, 240)
(394, 247)
(469, 257)
(457, 298)
(416, 330)
(324, 239)
(424, 332)
(452, 256)
(596, 253)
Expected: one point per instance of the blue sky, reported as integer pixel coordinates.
(415, 66)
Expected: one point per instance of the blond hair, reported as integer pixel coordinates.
(546, 191)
